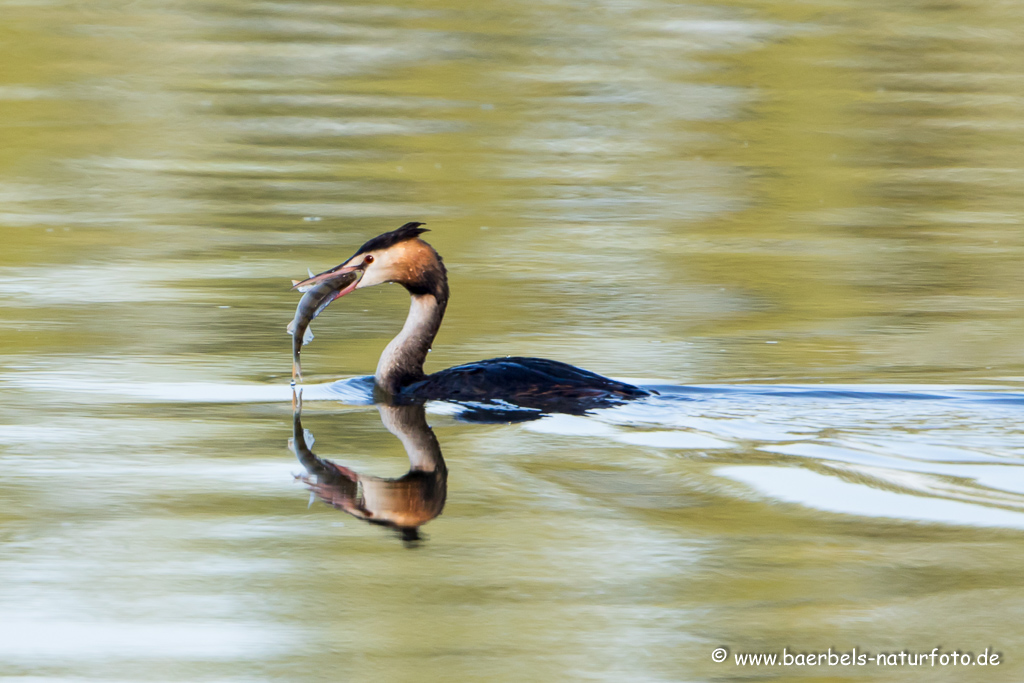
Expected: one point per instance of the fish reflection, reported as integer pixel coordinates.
(405, 503)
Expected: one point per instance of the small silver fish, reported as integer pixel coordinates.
(316, 298)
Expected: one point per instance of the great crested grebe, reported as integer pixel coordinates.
(400, 256)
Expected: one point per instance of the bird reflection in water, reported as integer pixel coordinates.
(404, 504)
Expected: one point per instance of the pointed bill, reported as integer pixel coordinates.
(326, 276)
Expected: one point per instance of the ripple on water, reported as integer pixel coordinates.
(869, 450)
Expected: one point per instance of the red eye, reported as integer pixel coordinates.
(368, 260)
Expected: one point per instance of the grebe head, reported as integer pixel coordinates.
(398, 256)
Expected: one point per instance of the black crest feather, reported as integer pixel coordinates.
(389, 239)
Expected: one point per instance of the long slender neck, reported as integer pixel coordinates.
(401, 363)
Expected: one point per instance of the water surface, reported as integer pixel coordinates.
(799, 221)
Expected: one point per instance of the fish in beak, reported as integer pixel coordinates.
(320, 290)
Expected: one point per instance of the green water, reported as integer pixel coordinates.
(812, 210)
